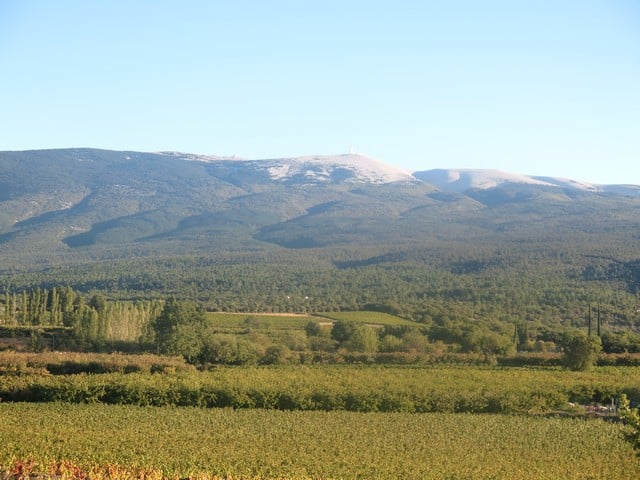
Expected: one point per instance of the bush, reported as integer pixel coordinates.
(580, 350)
(229, 350)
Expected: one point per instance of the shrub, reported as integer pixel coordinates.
(580, 350)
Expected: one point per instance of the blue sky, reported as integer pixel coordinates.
(535, 87)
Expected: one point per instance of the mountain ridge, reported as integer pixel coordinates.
(66, 199)
(358, 168)
(458, 179)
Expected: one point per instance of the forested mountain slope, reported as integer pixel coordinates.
(319, 233)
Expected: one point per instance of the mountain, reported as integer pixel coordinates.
(80, 197)
(349, 226)
(61, 200)
(347, 168)
(461, 180)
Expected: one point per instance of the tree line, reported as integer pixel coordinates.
(91, 319)
(175, 327)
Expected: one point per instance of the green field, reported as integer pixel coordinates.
(320, 445)
(369, 318)
(267, 321)
(261, 321)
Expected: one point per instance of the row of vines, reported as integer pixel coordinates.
(353, 388)
(265, 444)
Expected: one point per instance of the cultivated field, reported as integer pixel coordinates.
(319, 445)
(268, 321)
(369, 318)
(120, 416)
(365, 388)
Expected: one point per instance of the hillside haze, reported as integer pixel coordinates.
(134, 221)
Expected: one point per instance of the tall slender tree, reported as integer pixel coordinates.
(24, 309)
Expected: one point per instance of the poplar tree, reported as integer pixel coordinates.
(54, 308)
(24, 309)
(7, 308)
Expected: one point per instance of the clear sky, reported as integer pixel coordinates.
(543, 87)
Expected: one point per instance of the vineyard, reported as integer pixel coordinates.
(114, 416)
(321, 445)
(365, 388)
